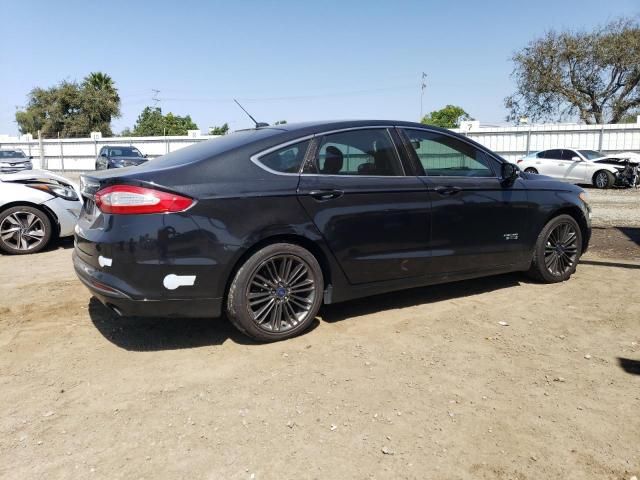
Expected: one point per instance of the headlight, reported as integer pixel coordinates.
(61, 191)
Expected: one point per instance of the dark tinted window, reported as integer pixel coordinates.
(287, 159)
(552, 154)
(568, 154)
(442, 155)
(358, 152)
(11, 154)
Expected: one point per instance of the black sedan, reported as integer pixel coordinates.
(118, 157)
(267, 224)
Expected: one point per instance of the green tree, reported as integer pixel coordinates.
(151, 122)
(222, 130)
(281, 122)
(447, 117)
(69, 109)
(594, 75)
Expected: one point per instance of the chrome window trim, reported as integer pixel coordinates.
(255, 158)
(456, 137)
(348, 129)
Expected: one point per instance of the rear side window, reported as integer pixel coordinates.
(358, 152)
(552, 154)
(445, 156)
(287, 159)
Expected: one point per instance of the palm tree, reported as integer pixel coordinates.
(103, 101)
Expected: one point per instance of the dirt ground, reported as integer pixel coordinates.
(420, 384)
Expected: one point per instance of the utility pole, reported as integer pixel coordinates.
(423, 86)
(154, 97)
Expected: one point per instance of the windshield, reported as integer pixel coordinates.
(124, 152)
(591, 154)
(11, 154)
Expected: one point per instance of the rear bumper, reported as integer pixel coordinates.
(109, 291)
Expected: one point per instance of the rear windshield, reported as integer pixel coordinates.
(591, 154)
(11, 154)
(213, 147)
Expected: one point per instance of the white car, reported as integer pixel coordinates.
(574, 166)
(36, 206)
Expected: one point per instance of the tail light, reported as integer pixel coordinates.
(519, 161)
(129, 200)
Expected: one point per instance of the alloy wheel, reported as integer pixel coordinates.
(601, 180)
(281, 293)
(22, 231)
(561, 249)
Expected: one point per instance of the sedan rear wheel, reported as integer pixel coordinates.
(557, 251)
(24, 230)
(531, 170)
(276, 294)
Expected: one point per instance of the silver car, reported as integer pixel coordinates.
(36, 206)
(14, 161)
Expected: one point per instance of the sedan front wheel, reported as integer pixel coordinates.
(24, 230)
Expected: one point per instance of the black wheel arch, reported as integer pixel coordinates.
(578, 216)
(320, 255)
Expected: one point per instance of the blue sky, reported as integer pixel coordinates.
(293, 60)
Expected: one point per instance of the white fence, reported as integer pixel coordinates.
(78, 154)
(514, 142)
(510, 142)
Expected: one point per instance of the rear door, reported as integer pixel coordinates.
(575, 167)
(374, 217)
(552, 164)
(478, 223)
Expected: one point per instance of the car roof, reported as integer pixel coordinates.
(309, 128)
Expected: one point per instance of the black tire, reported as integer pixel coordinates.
(560, 238)
(33, 232)
(531, 170)
(603, 179)
(294, 299)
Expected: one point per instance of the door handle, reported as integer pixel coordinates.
(326, 194)
(448, 190)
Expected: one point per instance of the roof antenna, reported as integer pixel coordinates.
(258, 124)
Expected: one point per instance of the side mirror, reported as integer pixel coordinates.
(576, 159)
(509, 173)
(30, 157)
(103, 155)
(146, 156)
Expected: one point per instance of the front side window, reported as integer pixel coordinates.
(287, 159)
(358, 152)
(445, 156)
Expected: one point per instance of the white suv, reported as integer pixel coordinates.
(574, 166)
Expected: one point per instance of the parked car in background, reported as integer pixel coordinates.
(118, 157)
(574, 166)
(267, 224)
(36, 207)
(14, 161)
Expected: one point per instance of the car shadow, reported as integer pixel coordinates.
(142, 334)
(419, 296)
(629, 366)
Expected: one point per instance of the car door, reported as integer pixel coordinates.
(552, 164)
(575, 166)
(478, 222)
(373, 217)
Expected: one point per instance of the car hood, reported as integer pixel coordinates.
(543, 182)
(37, 176)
